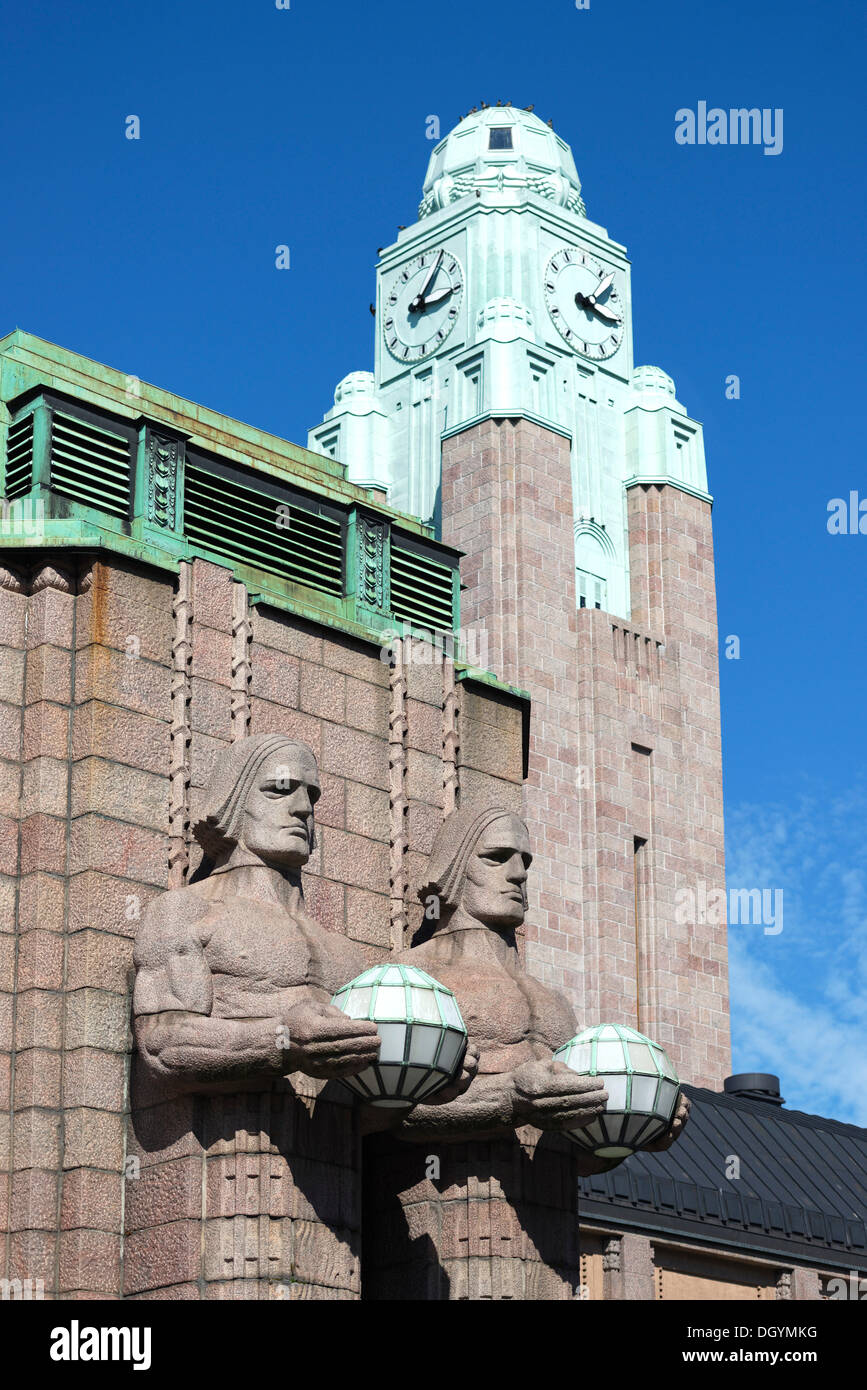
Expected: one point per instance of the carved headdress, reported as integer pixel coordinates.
(232, 780)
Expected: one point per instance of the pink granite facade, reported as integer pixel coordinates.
(120, 685)
(624, 794)
(495, 1221)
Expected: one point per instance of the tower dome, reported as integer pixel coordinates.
(355, 384)
(655, 388)
(506, 150)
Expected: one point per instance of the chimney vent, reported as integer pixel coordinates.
(754, 1085)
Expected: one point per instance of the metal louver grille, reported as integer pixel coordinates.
(89, 464)
(19, 457)
(244, 524)
(421, 590)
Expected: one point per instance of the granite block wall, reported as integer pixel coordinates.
(624, 793)
(119, 686)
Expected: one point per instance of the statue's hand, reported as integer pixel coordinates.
(665, 1141)
(550, 1095)
(469, 1067)
(324, 1043)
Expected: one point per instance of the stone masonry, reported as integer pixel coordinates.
(624, 794)
(119, 684)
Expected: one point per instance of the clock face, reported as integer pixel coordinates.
(584, 303)
(422, 305)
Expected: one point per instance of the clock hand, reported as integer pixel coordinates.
(435, 298)
(434, 268)
(586, 301)
(601, 287)
(604, 313)
(419, 302)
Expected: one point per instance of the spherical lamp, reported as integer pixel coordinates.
(641, 1082)
(423, 1034)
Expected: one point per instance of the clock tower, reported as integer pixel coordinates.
(505, 408)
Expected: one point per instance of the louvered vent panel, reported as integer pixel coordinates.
(19, 457)
(421, 590)
(237, 521)
(89, 464)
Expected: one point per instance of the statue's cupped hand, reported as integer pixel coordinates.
(324, 1043)
(550, 1095)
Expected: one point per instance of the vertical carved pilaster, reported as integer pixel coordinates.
(242, 635)
(163, 455)
(612, 1269)
(180, 733)
(371, 562)
(398, 804)
(451, 738)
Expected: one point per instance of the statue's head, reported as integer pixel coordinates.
(261, 797)
(479, 863)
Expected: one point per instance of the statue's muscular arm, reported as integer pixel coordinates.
(178, 1035)
(176, 1031)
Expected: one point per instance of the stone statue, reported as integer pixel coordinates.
(476, 897)
(233, 978)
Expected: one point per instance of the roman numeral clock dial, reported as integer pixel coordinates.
(422, 305)
(584, 303)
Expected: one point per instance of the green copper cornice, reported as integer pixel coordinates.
(28, 363)
(93, 461)
(432, 230)
(663, 480)
(508, 414)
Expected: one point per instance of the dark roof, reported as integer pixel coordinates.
(802, 1190)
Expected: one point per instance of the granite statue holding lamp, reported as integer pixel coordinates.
(475, 899)
(482, 1203)
(233, 976)
(450, 1044)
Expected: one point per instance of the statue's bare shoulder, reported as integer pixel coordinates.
(171, 969)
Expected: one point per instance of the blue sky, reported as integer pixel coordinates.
(306, 127)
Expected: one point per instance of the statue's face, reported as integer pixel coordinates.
(495, 889)
(278, 818)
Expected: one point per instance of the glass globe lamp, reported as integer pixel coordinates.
(423, 1034)
(641, 1082)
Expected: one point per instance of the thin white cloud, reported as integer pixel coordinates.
(821, 1062)
(799, 1000)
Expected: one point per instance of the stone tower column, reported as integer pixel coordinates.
(674, 595)
(507, 503)
(624, 793)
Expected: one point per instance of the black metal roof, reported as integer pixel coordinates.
(801, 1193)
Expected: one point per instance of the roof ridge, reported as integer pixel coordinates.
(731, 1102)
